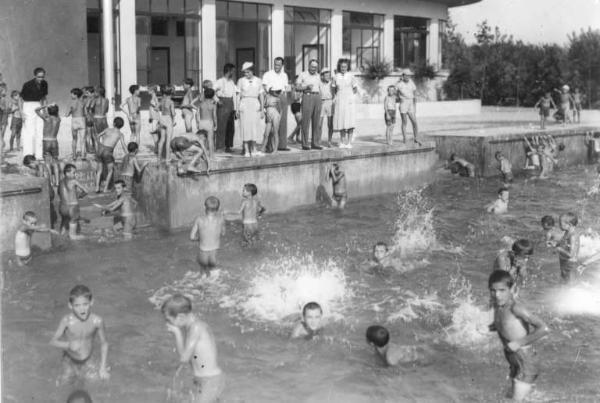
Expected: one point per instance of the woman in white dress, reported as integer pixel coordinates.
(344, 112)
(250, 111)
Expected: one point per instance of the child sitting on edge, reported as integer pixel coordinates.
(338, 182)
(568, 247)
(465, 168)
(505, 167)
(130, 166)
(310, 326)
(518, 330)
(389, 110)
(180, 145)
(250, 210)
(50, 139)
(552, 235)
(23, 237)
(379, 338)
(70, 191)
(208, 230)
(515, 260)
(196, 346)
(75, 336)
(500, 205)
(123, 208)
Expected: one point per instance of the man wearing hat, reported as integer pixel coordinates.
(276, 85)
(406, 91)
(309, 83)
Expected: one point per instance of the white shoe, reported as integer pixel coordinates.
(258, 153)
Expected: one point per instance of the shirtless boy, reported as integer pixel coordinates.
(50, 139)
(196, 346)
(545, 103)
(134, 104)
(187, 108)
(515, 260)
(465, 167)
(518, 330)
(75, 336)
(207, 230)
(505, 167)
(99, 109)
(250, 210)
(70, 191)
(568, 247)
(107, 140)
(552, 235)
(23, 237)
(379, 338)
(338, 181)
(123, 209)
(130, 166)
(207, 118)
(180, 145)
(310, 326)
(166, 122)
(77, 113)
(577, 102)
(500, 205)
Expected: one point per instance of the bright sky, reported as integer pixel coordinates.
(533, 21)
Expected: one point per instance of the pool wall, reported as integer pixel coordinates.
(284, 180)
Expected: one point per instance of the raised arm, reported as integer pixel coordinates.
(186, 351)
(103, 372)
(62, 326)
(38, 111)
(541, 329)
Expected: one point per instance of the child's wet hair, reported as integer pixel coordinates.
(522, 247)
(212, 203)
(202, 132)
(28, 159)
(571, 218)
(53, 110)
(118, 122)
(29, 214)
(77, 92)
(548, 220)
(378, 335)
(209, 93)
(80, 291)
(120, 182)
(167, 90)
(176, 304)
(133, 88)
(68, 168)
(189, 82)
(101, 90)
(251, 187)
(502, 189)
(500, 276)
(498, 154)
(14, 93)
(311, 306)
(561, 147)
(380, 243)
(132, 147)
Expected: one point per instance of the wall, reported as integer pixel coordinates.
(50, 34)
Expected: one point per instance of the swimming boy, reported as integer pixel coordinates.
(465, 167)
(77, 113)
(552, 235)
(518, 330)
(50, 139)
(130, 166)
(380, 256)
(70, 191)
(379, 338)
(207, 118)
(545, 103)
(310, 326)
(500, 205)
(389, 113)
(134, 104)
(75, 336)
(250, 210)
(208, 230)
(123, 208)
(338, 181)
(180, 145)
(505, 167)
(107, 140)
(568, 247)
(196, 346)
(16, 124)
(23, 237)
(515, 260)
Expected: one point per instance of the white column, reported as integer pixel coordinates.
(209, 40)
(388, 39)
(127, 45)
(432, 43)
(278, 31)
(108, 53)
(337, 36)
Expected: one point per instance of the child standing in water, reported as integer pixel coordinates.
(389, 111)
(500, 205)
(568, 247)
(208, 230)
(23, 237)
(75, 336)
(310, 325)
(70, 191)
(250, 210)
(505, 167)
(338, 181)
(552, 235)
(123, 208)
(545, 103)
(379, 338)
(50, 139)
(515, 260)
(130, 166)
(196, 346)
(518, 330)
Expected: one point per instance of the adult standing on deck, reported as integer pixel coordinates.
(344, 112)
(33, 93)
(408, 104)
(250, 111)
(309, 83)
(276, 82)
(227, 93)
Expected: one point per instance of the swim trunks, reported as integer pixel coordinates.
(566, 267)
(295, 107)
(326, 107)
(78, 123)
(105, 154)
(180, 144)
(523, 363)
(69, 213)
(208, 389)
(127, 221)
(544, 111)
(508, 176)
(79, 369)
(207, 258)
(392, 117)
(16, 124)
(250, 231)
(100, 124)
(50, 148)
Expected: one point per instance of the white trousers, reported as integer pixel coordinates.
(33, 130)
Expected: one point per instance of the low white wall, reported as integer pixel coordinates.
(427, 109)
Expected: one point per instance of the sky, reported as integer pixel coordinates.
(532, 21)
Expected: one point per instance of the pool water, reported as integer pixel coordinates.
(444, 245)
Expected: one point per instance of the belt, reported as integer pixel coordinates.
(311, 92)
(326, 99)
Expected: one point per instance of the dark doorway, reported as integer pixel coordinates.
(160, 65)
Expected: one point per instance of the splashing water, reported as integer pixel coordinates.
(193, 285)
(589, 244)
(414, 225)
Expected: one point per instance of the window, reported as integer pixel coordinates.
(160, 26)
(307, 36)
(362, 36)
(410, 41)
(180, 27)
(93, 24)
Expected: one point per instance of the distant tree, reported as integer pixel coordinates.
(584, 63)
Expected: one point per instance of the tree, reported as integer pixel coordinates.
(584, 62)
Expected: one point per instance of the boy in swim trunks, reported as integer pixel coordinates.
(49, 139)
(123, 208)
(207, 118)
(250, 210)
(379, 338)
(134, 104)
(338, 181)
(195, 344)
(389, 110)
(16, 124)
(70, 191)
(310, 326)
(545, 103)
(166, 123)
(518, 330)
(130, 166)
(568, 247)
(208, 230)
(98, 108)
(75, 336)
(23, 237)
(180, 145)
(107, 140)
(577, 101)
(500, 205)
(77, 113)
(505, 167)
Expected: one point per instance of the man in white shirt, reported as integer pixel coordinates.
(406, 91)
(226, 90)
(309, 82)
(276, 82)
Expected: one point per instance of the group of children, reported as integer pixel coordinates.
(570, 103)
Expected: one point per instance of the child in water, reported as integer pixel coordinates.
(532, 153)
(23, 237)
(500, 205)
(505, 167)
(379, 338)
(518, 330)
(515, 260)
(130, 166)
(196, 346)
(250, 210)
(310, 326)
(70, 191)
(568, 247)
(552, 235)
(208, 230)
(75, 336)
(338, 182)
(123, 209)
(465, 168)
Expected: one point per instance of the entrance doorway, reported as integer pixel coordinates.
(160, 66)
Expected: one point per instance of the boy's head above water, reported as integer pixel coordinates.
(80, 301)
(120, 187)
(503, 194)
(30, 218)
(176, 307)
(312, 313)
(70, 170)
(212, 204)
(380, 251)
(500, 284)
(568, 221)
(499, 155)
(547, 222)
(132, 147)
(522, 247)
(378, 336)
